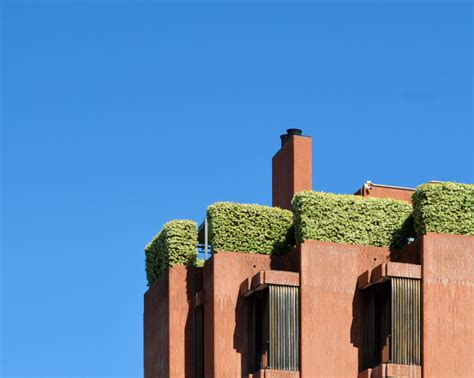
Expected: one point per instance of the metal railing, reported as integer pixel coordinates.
(406, 321)
(284, 328)
(204, 251)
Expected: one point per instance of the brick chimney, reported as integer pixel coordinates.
(291, 168)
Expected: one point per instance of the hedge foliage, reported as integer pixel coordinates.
(352, 219)
(250, 228)
(175, 244)
(445, 208)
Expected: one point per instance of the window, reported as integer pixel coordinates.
(274, 329)
(392, 323)
(199, 341)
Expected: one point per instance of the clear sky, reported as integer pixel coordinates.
(120, 116)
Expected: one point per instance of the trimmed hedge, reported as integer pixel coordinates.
(250, 228)
(445, 208)
(175, 244)
(352, 219)
(199, 262)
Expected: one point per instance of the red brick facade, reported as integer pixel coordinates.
(331, 278)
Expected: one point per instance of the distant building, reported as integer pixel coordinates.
(325, 309)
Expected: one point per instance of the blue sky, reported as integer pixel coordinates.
(119, 116)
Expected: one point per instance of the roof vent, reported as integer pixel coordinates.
(289, 133)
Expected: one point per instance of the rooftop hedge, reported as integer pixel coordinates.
(250, 228)
(352, 219)
(446, 208)
(175, 244)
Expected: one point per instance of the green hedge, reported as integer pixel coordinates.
(175, 244)
(250, 228)
(446, 208)
(352, 219)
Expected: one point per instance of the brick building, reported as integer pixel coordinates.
(324, 309)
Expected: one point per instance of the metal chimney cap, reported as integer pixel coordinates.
(284, 138)
(289, 133)
(294, 131)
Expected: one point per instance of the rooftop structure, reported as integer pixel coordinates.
(379, 283)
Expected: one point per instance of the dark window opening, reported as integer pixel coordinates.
(259, 342)
(199, 341)
(392, 323)
(274, 329)
(377, 324)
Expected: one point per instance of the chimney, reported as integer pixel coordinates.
(291, 168)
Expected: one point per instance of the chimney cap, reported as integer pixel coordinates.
(289, 133)
(294, 131)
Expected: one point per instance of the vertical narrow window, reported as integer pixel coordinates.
(377, 326)
(259, 342)
(199, 341)
(392, 323)
(275, 328)
(406, 321)
(284, 328)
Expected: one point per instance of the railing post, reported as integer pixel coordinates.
(205, 238)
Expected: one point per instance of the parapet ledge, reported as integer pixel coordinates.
(387, 270)
(271, 373)
(268, 277)
(392, 370)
